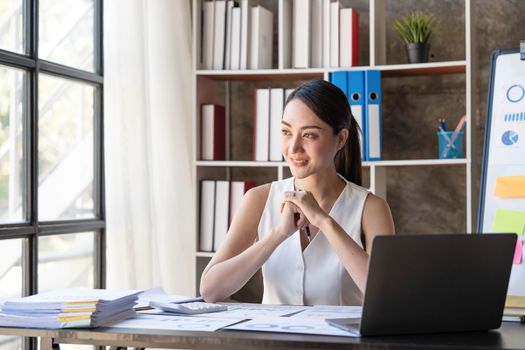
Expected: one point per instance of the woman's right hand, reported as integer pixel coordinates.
(289, 224)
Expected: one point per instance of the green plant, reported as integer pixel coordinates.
(415, 27)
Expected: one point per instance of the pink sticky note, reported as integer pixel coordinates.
(518, 252)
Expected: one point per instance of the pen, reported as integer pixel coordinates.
(443, 125)
(308, 232)
(458, 128)
(461, 124)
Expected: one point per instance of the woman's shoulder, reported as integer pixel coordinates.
(376, 209)
(374, 202)
(258, 193)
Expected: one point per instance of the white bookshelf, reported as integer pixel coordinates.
(213, 86)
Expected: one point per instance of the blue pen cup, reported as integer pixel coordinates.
(450, 144)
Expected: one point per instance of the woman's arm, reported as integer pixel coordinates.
(376, 220)
(239, 258)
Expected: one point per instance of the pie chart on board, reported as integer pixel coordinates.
(509, 138)
(515, 93)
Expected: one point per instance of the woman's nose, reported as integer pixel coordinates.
(296, 145)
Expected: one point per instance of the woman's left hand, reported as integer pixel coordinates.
(307, 204)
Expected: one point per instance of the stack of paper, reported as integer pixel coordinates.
(67, 308)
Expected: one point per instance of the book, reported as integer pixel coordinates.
(285, 33)
(237, 191)
(245, 33)
(207, 34)
(235, 56)
(276, 114)
(326, 33)
(316, 49)
(219, 33)
(261, 38)
(287, 93)
(222, 206)
(228, 45)
(349, 38)
(301, 33)
(334, 34)
(207, 213)
(213, 132)
(262, 125)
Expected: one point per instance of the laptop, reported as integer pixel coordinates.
(434, 283)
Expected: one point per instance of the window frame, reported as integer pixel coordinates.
(30, 230)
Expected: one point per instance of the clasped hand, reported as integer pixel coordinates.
(298, 209)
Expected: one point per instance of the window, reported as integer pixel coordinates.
(52, 220)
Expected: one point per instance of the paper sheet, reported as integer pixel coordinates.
(291, 325)
(506, 221)
(180, 323)
(510, 187)
(518, 252)
(330, 311)
(249, 311)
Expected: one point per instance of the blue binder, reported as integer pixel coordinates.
(339, 79)
(356, 98)
(373, 114)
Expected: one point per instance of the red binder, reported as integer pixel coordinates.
(213, 132)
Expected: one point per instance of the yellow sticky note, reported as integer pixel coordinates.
(510, 186)
(511, 221)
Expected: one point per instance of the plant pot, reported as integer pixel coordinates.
(418, 52)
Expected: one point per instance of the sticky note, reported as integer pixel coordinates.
(511, 221)
(518, 252)
(510, 187)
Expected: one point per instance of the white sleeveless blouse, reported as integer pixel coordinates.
(315, 276)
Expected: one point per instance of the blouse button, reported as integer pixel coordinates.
(300, 268)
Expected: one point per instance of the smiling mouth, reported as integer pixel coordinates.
(298, 163)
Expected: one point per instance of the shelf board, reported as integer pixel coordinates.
(239, 163)
(416, 162)
(393, 70)
(204, 254)
(393, 163)
(263, 74)
(432, 68)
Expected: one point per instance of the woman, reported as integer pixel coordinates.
(311, 233)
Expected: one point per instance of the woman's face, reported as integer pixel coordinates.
(308, 144)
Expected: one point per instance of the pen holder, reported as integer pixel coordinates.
(450, 144)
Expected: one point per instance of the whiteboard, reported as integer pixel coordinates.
(502, 188)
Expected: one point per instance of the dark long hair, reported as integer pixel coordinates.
(329, 103)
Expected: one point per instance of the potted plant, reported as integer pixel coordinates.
(415, 30)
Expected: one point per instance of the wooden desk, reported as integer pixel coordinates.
(509, 336)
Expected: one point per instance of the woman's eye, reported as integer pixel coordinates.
(285, 132)
(309, 135)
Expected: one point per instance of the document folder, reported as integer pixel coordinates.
(339, 79)
(352, 84)
(356, 97)
(373, 114)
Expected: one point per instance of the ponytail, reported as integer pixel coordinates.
(348, 159)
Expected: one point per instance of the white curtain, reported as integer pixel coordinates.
(150, 202)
